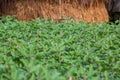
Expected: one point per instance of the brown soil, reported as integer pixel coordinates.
(85, 10)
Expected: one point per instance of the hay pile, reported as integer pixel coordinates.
(85, 10)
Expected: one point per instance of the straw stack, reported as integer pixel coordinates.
(85, 10)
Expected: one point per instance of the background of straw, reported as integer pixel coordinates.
(85, 10)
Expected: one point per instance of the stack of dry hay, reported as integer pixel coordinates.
(85, 10)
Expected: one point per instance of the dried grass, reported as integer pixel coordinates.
(85, 10)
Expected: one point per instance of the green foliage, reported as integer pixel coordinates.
(44, 50)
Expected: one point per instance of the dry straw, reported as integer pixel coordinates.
(85, 10)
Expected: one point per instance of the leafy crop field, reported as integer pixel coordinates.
(44, 50)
